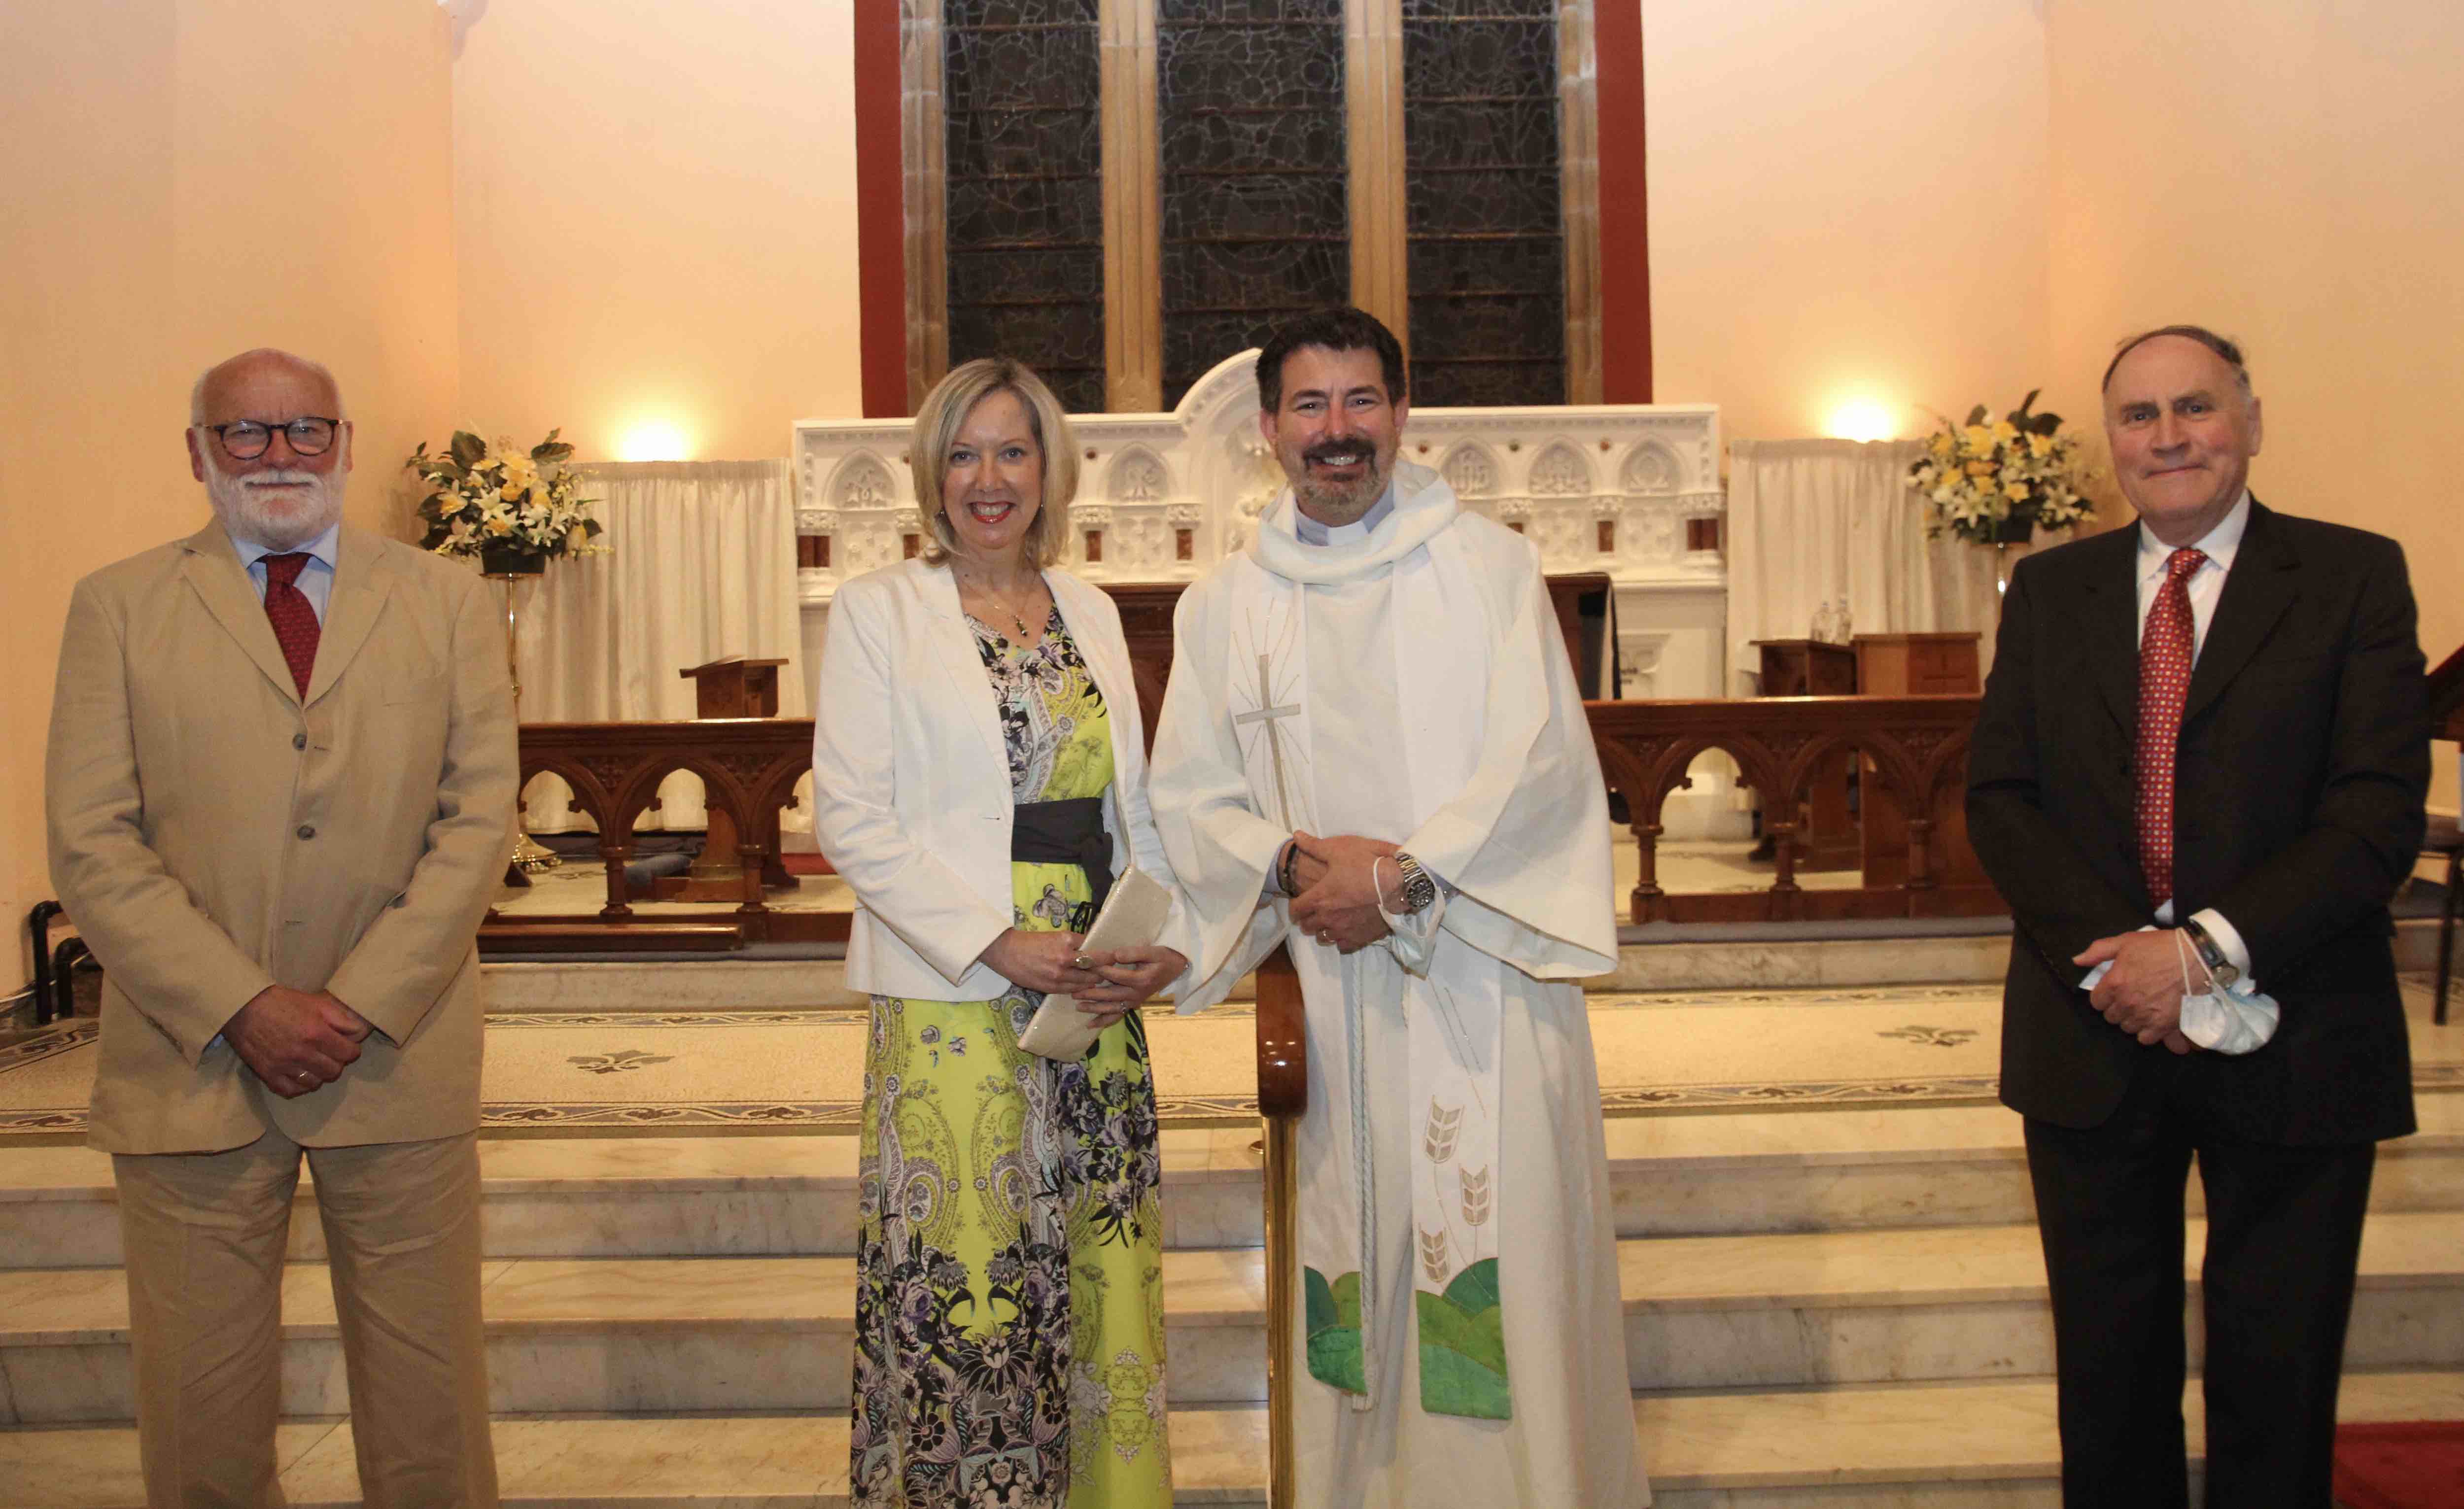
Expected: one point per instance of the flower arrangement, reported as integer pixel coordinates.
(503, 504)
(1995, 483)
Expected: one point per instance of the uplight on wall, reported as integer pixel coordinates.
(653, 440)
(1862, 419)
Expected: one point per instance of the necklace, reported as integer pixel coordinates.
(984, 589)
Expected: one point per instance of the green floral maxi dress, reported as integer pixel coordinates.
(1009, 1268)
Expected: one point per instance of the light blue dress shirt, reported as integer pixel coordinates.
(316, 580)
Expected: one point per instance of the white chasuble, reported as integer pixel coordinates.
(1461, 1320)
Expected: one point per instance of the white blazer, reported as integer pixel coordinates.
(911, 781)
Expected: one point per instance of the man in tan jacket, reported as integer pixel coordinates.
(280, 789)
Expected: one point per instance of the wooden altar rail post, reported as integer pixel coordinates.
(1283, 1094)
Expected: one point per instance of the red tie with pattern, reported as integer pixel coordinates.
(2164, 680)
(294, 616)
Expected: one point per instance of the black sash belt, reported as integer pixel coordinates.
(1068, 832)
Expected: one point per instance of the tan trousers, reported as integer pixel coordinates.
(205, 1234)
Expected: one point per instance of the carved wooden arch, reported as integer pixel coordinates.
(1661, 766)
(1889, 758)
(774, 787)
(588, 778)
(1944, 761)
(1646, 770)
(721, 789)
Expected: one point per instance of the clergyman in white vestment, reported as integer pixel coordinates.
(1373, 748)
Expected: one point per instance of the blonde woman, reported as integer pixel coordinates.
(980, 773)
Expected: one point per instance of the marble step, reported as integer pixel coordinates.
(1965, 1446)
(603, 985)
(1646, 961)
(1696, 1175)
(727, 1333)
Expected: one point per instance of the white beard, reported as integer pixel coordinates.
(278, 521)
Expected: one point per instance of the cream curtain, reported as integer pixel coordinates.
(702, 566)
(1821, 527)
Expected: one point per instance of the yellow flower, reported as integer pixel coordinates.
(500, 526)
(1939, 444)
(2016, 492)
(1977, 437)
(2004, 431)
(1980, 468)
(2040, 444)
(512, 490)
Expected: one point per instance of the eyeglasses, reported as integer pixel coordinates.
(245, 439)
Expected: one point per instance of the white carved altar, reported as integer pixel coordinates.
(1612, 489)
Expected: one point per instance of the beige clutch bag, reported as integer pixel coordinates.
(1133, 917)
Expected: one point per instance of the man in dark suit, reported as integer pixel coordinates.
(2200, 763)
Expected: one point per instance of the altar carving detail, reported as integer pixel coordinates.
(1624, 490)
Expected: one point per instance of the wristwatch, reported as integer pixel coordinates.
(2210, 955)
(1419, 889)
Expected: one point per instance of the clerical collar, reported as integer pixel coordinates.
(1313, 533)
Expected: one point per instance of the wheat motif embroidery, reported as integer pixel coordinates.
(1444, 1124)
(1432, 1257)
(1475, 1198)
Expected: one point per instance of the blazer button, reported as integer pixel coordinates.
(307, 830)
(300, 741)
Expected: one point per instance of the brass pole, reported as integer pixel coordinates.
(529, 856)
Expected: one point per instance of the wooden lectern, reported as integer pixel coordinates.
(729, 687)
(1917, 665)
(734, 688)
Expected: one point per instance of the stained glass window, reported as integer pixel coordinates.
(1256, 202)
(1482, 212)
(1024, 189)
(1239, 110)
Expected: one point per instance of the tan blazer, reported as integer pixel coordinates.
(211, 835)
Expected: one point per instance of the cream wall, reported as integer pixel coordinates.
(183, 187)
(2285, 173)
(656, 220)
(655, 207)
(1848, 200)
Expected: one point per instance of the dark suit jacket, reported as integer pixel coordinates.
(2303, 762)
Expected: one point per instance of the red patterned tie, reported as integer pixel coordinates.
(2164, 679)
(294, 616)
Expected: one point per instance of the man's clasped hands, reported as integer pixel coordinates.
(296, 1041)
(2141, 994)
(1334, 888)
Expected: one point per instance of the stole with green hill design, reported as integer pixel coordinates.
(1463, 1341)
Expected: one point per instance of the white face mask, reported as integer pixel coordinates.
(260, 509)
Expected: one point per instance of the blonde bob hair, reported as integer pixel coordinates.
(936, 429)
